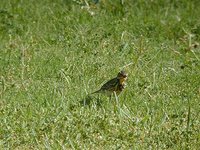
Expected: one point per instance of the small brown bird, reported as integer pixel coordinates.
(116, 84)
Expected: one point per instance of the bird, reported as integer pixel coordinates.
(115, 85)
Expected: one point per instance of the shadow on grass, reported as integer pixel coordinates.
(90, 100)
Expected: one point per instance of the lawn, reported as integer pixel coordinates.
(53, 54)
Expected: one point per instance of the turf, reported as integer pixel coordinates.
(54, 54)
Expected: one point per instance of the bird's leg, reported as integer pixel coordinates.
(116, 102)
(110, 97)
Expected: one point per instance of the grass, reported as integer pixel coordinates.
(53, 54)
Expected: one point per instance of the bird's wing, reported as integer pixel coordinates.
(111, 84)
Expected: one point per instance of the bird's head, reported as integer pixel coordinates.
(122, 75)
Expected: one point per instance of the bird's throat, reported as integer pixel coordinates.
(122, 80)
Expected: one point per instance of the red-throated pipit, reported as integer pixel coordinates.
(115, 85)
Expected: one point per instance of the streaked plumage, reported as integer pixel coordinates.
(116, 84)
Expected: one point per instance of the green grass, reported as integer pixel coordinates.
(53, 54)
